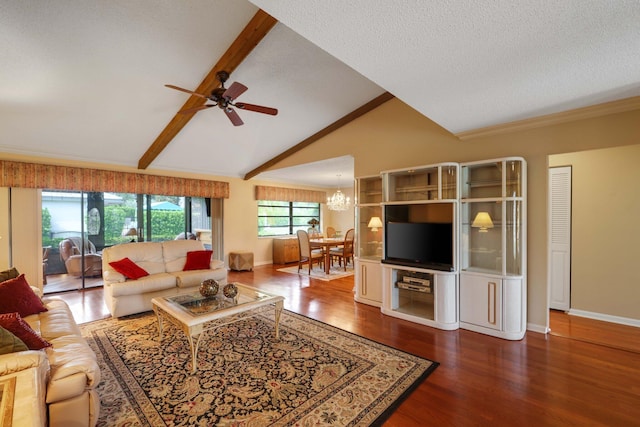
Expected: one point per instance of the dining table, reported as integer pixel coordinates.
(326, 243)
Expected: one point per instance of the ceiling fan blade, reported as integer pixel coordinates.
(233, 116)
(196, 109)
(186, 90)
(235, 90)
(257, 108)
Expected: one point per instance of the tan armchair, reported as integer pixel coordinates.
(71, 255)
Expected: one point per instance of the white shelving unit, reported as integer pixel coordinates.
(493, 287)
(435, 305)
(486, 289)
(422, 194)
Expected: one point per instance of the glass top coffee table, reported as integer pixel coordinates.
(195, 314)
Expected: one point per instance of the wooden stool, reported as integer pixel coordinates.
(241, 260)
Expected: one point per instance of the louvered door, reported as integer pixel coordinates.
(560, 238)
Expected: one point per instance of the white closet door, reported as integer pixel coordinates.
(560, 238)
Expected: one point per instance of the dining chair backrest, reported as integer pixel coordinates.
(348, 241)
(331, 232)
(303, 243)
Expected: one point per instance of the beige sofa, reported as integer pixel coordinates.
(164, 261)
(58, 382)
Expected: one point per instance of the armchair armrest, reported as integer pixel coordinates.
(216, 263)
(21, 360)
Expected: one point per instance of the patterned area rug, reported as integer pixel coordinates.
(335, 272)
(315, 374)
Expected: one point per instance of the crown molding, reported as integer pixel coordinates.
(613, 107)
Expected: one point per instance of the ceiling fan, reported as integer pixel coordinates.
(224, 99)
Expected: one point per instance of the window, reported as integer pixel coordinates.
(284, 218)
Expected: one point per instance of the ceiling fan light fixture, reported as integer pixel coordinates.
(224, 99)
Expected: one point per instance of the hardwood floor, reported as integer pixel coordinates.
(543, 380)
(66, 282)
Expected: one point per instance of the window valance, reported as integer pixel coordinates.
(36, 175)
(290, 194)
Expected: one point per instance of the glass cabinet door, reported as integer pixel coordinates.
(513, 175)
(369, 190)
(513, 233)
(369, 232)
(413, 185)
(449, 182)
(482, 181)
(481, 237)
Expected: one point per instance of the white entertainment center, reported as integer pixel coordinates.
(464, 264)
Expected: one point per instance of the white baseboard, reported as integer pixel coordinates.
(606, 317)
(257, 263)
(537, 328)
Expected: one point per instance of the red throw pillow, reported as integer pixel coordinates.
(17, 296)
(198, 260)
(13, 323)
(128, 269)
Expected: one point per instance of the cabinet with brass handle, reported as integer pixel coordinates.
(368, 282)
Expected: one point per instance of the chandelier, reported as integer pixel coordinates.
(338, 202)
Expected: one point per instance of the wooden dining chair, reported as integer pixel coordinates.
(344, 253)
(331, 232)
(306, 253)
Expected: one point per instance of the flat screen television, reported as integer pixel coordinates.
(419, 244)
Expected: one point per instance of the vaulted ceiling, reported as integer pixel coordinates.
(84, 79)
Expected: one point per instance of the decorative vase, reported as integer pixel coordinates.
(209, 288)
(230, 290)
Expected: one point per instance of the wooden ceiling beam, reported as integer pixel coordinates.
(247, 40)
(371, 105)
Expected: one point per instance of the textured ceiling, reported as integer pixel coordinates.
(84, 79)
(476, 63)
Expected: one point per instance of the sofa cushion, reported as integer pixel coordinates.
(17, 326)
(10, 343)
(28, 359)
(128, 268)
(147, 255)
(17, 296)
(198, 260)
(57, 322)
(187, 279)
(11, 273)
(175, 253)
(151, 283)
(73, 368)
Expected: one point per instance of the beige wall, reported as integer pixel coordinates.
(605, 230)
(241, 213)
(26, 234)
(395, 136)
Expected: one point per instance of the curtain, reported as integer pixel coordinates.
(289, 194)
(35, 175)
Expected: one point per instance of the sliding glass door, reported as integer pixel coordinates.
(72, 238)
(77, 226)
